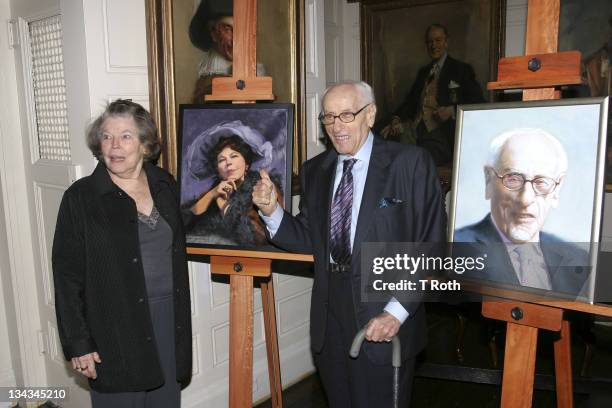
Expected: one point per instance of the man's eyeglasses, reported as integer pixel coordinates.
(516, 181)
(345, 117)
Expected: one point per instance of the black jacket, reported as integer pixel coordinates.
(100, 294)
(404, 174)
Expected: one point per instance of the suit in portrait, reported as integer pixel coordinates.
(404, 173)
(566, 263)
(456, 84)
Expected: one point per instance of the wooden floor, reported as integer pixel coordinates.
(440, 360)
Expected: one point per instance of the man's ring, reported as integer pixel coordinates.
(79, 369)
(227, 189)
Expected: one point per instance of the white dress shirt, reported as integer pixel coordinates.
(360, 173)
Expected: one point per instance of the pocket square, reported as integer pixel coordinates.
(388, 201)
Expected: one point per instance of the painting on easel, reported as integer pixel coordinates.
(528, 192)
(191, 41)
(224, 150)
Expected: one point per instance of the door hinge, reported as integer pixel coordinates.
(13, 39)
(43, 342)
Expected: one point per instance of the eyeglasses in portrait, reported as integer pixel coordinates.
(527, 196)
(224, 150)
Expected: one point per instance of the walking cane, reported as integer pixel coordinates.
(396, 359)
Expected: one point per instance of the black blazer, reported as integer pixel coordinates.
(100, 294)
(566, 262)
(406, 173)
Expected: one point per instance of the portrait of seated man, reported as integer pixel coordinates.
(427, 115)
(524, 177)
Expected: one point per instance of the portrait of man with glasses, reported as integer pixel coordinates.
(524, 176)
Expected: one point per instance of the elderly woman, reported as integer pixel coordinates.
(121, 283)
(225, 213)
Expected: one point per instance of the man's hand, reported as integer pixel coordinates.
(382, 328)
(264, 194)
(86, 364)
(444, 112)
(393, 129)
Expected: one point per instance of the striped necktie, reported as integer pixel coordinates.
(342, 205)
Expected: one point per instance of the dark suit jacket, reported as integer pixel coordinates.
(566, 262)
(100, 293)
(453, 70)
(395, 171)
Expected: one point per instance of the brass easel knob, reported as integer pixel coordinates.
(240, 84)
(237, 267)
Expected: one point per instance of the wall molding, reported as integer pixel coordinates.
(110, 65)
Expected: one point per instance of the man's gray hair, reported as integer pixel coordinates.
(365, 90)
(499, 142)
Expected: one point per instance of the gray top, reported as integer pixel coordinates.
(155, 237)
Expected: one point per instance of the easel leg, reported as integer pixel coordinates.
(519, 366)
(241, 342)
(563, 368)
(269, 314)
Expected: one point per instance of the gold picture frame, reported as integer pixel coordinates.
(393, 44)
(172, 62)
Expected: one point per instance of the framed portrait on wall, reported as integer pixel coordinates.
(528, 192)
(586, 26)
(224, 151)
(190, 41)
(394, 49)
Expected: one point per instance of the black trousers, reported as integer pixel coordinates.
(437, 142)
(348, 382)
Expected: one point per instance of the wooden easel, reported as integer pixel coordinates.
(538, 72)
(242, 266)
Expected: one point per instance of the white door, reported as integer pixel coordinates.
(48, 170)
(71, 57)
(315, 73)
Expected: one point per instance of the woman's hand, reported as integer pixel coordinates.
(86, 364)
(226, 188)
(222, 191)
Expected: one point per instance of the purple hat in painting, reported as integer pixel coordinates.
(198, 161)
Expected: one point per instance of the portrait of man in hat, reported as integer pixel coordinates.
(212, 31)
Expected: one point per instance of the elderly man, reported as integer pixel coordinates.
(524, 177)
(429, 108)
(340, 208)
(212, 30)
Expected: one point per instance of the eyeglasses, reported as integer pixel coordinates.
(516, 181)
(345, 117)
